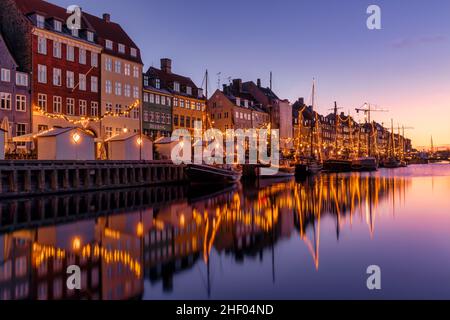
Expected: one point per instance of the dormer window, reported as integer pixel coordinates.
(133, 52)
(90, 36)
(158, 84)
(121, 48)
(75, 32)
(188, 90)
(176, 86)
(246, 103)
(40, 21)
(109, 44)
(200, 93)
(146, 81)
(57, 25)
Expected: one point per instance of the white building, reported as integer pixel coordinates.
(65, 144)
(130, 147)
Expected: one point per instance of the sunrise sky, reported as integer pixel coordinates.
(405, 67)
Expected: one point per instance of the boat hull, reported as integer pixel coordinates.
(337, 165)
(204, 174)
(364, 164)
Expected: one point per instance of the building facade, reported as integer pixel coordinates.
(15, 114)
(121, 77)
(157, 110)
(188, 102)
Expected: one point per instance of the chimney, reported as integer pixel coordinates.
(166, 65)
(237, 85)
(106, 17)
(258, 82)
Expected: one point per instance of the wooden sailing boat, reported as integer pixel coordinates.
(368, 163)
(212, 174)
(391, 162)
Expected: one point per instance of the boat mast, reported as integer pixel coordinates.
(313, 120)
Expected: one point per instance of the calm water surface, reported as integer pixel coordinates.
(275, 240)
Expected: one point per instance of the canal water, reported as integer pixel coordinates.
(311, 239)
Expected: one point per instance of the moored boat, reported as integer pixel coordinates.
(285, 170)
(337, 165)
(208, 174)
(365, 164)
(391, 163)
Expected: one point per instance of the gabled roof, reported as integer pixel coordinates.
(2, 39)
(58, 131)
(125, 136)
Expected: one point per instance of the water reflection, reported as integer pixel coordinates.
(122, 239)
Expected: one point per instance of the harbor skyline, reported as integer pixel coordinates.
(402, 68)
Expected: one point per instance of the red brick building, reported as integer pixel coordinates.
(65, 64)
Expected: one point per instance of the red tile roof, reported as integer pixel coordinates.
(104, 30)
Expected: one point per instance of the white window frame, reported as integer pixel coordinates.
(21, 79)
(5, 100)
(42, 73)
(5, 75)
(42, 101)
(42, 45)
(57, 25)
(94, 59)
(57, 77)
(94, 109)
(118, 88)
(70, 103)
(40, 21)
(83, 107)
(109, 44)
(133, 52)
(94, 84)
(108, 64)
(121, 48)
(82, 56)
(108, 86)
(57, 104)
(90, 36)
(70, 79)
(82, 82)
(70, 53)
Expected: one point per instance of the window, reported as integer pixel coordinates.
(57, 49)
(175, 102)
(135, 72)
(82, 82)
(94, 109)
(145, 116)
(152, 98)
(121, 48)
(157, 84)
(188, 122)
(181, 103)
(176, 86)
(157, 99)
(169, 102)
(57, 104)
(108, 86)
(70, 79)
(163, 100)
(145, 81)
(83, 107)
(199, 106)
(145, 97)
(5, 101)
(90, 36)
(57, 77)
(108, 107)
(42, 74)
(109, 44)
(127, 90)
(118, 109)
(82, 57)
(181, 121)
(70, 106)
(42, 45)
(175, 120)
(117, 66)
(42, 101)
(189, 90)
(21, 129)
(57, 25)
(94, 59)
(152, 116)
(6, 75)
(94, 84)
(108, 131)
(128, 69)
(108, 64)
(40, 21)
(21, 103)
(70, 53)
(133, 52)
(118, 89)
(136, 92)
(75, 32)
(135, 113)
(157, 117)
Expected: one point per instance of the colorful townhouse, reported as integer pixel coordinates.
(234, 108)
(64, 63)
(15, 114)
(188, 102)
(121, 77)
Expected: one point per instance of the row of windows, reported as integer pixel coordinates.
(157, 99)
(250, 116)
(120, 112)
(58, 27)
(6, 102)
(186, 122)
(70, 79)
(157, 117)
(188, 104)
(120, 48)
(69, 104)
(21, 78)
(70, 52)
(116, 66)
(118, 89)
